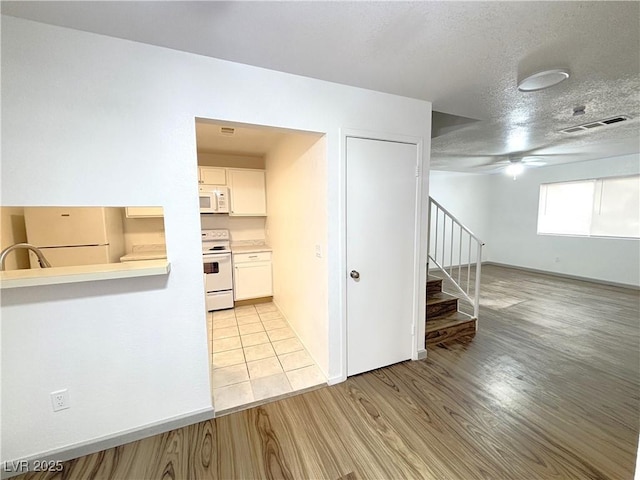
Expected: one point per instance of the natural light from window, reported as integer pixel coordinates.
(604, 207)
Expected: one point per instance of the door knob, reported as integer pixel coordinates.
(354, 274)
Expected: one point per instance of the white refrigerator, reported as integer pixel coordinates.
(75, 235)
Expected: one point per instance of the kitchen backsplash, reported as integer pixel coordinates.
(143, 231)
(242, 229)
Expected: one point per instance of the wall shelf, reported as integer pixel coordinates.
(82, 273)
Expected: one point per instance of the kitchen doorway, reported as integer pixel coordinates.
(274, 341)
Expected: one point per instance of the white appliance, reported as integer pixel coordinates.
(75, 235)
(214, 199)
(218, 276)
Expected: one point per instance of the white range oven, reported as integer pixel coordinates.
(218, 272)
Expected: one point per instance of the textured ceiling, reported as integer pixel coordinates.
(465, 57)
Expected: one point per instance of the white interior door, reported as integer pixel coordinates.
(381, 227)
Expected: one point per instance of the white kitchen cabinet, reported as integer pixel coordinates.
(252, 275)
(247, 192)
(212, 176)
(144, 212)
(207, 188)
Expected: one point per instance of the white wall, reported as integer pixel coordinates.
(241, 229)
(93, 120)
(142, 231)
(514, 221)
(511, 226)
(296, 223)
(230, 160)
(466, 196)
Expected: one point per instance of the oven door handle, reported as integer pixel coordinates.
(220, 258)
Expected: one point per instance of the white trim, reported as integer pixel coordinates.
(420, 258)
(576, 235)
(342, 253)
(336, 380)
(419, 249)
(109, 441)
(422, 354)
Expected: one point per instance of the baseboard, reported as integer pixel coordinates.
(566, 275)
(109, 441)
(336, 380)
(252, 301)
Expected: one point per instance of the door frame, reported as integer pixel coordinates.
(420, 240)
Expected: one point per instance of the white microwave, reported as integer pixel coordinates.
(214, 199)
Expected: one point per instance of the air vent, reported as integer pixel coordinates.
(227, 130)
(599, 123)
(614, 120)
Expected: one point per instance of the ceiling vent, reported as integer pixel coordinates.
(591, 125)
(227, 131)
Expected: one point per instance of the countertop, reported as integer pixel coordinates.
(33, 277)
(253, 248)
(145, 252)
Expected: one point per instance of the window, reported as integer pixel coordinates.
(605, 207)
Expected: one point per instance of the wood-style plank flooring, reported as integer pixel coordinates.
(547, 389)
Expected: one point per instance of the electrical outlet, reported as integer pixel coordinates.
(318, 251)
(60, 400)
(557, 259)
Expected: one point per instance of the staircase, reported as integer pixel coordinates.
(455, 253)
(445, 322)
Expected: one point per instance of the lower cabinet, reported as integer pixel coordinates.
(252, 275)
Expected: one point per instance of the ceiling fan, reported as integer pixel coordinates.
(515, 163)
(512, 164)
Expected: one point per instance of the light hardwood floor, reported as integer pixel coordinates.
(547, 389)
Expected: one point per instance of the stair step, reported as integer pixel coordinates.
(455, 318)
(441, 304)
(452, 327)
(434, 285)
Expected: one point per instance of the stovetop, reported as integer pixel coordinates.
(215, 241)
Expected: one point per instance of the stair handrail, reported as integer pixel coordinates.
(432, 240)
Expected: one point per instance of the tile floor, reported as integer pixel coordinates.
(256, 356)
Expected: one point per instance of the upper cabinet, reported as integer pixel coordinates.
(144, 212)
(247, 192)
(212, 176)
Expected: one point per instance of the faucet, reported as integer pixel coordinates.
(41, 258)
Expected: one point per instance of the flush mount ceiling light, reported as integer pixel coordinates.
(542, 80)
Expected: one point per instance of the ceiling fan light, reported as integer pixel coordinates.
(542, 80)
(514, 169)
